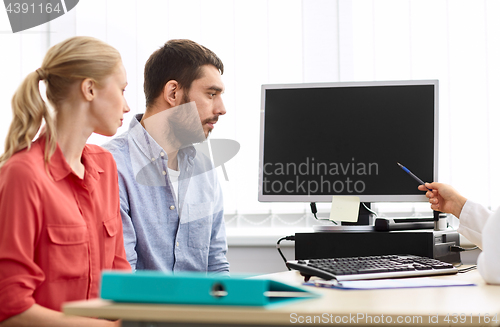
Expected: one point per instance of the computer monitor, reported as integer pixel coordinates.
(320, 140)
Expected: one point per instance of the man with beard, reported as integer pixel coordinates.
(171, 200)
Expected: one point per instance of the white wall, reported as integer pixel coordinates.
(294, 41)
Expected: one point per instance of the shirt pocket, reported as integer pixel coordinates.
(199, 224)
(68, 253)
(110, 230)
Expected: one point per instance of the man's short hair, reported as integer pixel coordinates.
(180, 60)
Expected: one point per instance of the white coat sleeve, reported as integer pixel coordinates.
(482, 227)
(488, 262)
(472, 220)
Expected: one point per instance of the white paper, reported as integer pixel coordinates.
(392, 283)
(345, 208)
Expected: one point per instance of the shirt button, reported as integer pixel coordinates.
(153, 159)
(164, 172)
(162, 154)
(172, 207)
(177, 244)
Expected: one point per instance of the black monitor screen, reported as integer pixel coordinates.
(319, 140)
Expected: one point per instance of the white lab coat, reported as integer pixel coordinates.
(482, 227)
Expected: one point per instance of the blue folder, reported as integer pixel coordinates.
(197, 288)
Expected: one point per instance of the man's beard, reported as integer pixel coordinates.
(186, 99)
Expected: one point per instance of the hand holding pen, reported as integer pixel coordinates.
(444, 198)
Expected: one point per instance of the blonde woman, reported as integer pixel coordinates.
(60, 219)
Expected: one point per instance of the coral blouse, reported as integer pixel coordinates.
(57, 232)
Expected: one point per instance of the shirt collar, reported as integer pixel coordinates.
(148, 146)
(60, 169)
(92, 169)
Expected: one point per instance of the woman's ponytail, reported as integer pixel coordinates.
(28, 110)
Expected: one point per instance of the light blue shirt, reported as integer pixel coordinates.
(158, 234)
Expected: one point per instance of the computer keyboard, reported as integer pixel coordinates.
(372, 267)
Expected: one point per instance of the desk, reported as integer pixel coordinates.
(409, 307)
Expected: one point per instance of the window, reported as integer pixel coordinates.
(294, 41)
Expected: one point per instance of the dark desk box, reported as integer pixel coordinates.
(427, 243)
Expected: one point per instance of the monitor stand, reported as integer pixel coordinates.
(364, 217)
(365, 223)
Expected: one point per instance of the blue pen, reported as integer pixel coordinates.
(413, 175)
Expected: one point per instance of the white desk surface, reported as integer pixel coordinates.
(335, 307)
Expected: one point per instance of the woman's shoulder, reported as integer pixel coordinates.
(31, 158)
(24, 167)
(99, 155)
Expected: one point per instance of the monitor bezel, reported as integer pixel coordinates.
(363, 197)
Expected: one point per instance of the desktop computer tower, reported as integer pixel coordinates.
(427, 243)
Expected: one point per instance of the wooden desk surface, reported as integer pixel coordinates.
(420, 306)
